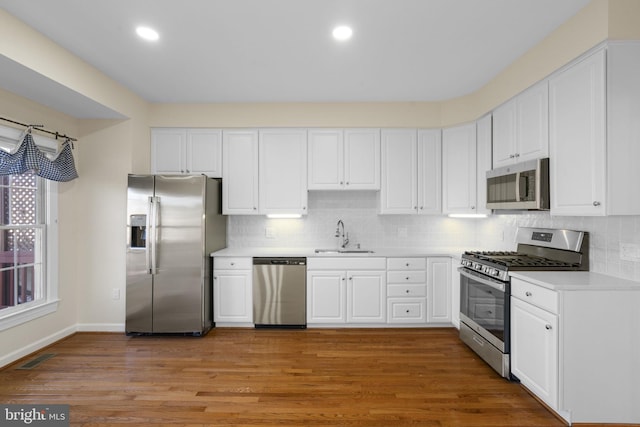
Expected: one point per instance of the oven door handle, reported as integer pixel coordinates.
(495, 285)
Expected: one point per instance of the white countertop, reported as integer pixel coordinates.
(576, 280)
(310, 252)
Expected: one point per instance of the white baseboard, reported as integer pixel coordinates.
(36, 345)
(100, 327)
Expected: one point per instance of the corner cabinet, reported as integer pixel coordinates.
(344, 159)
(459, 192)
(411, 172)
(594, 105)
(180, 151)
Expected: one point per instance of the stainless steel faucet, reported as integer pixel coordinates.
(340, 233)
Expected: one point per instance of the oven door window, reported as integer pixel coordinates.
(485, 305)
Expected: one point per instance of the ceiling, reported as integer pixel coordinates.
(218, 51)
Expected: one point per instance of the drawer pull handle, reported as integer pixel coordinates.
(407, 264)
(407, 311)
(406, 278)
(528, 293)
(407, 291)
(233, 263)
(547, 327)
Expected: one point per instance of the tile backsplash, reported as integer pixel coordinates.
(614, 241)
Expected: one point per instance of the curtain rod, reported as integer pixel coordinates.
(39, 128)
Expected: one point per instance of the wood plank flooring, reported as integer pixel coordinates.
(247, 377)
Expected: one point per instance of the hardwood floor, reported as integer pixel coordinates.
(247, 377)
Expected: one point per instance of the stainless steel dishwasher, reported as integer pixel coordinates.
(280, 292)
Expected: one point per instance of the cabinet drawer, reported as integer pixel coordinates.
(406, 263)
(406, 277)
(407, 310)
(232, 263)
(534, 294)
(406, 290)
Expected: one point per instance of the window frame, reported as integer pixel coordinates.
(25, 312)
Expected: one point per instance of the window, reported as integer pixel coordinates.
(28, 282)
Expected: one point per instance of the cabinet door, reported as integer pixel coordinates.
(439, 290)
(366, 297)
(326, 159)
(533, 123)
(232, 296)
(283, 171)
(204, 152)
(534, 350)
(240, 172)
(459, 169)
(483, 154)
(398, 192)
(362, 159)
(326, 296)
(430, 172)
(577, 138)
(168, 151)
(504, 134)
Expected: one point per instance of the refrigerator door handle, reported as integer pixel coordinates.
(153, 234)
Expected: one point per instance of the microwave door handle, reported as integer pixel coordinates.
(517, 186)
(495, 285)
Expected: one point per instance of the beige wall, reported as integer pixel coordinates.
(92, 220)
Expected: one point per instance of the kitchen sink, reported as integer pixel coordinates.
(343, 251)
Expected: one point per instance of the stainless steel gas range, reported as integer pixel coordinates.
(485, 288)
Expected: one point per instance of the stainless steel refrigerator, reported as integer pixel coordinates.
(173, 224)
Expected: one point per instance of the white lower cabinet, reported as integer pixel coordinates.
(577, 348)
(232, 291)
(407, 290)
(534, 350)
(439, 290)
(343, 291)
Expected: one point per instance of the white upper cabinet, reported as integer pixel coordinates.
(459, 169)
(483, 161)
(265, 172)
(399, 188)
(178, 151)
(283, 171)
(594, 133)
(240, 172)
(344, 159)
(520, 127)
(411, 172)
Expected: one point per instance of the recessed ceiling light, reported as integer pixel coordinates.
(147, 33)
(342, 33)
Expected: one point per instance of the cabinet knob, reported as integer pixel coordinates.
(406, 278)
(407, 311)
(547, 327)
(596, 203)
(407, 264)
(233, 263)
(473, 207)
(528, 293)
(517, 155)
(255, 209)
(407, 291)
(512, 156)
(341, 182)
(347, 182)
(421, 207)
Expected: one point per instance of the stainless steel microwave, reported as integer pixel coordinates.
(521, 186)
